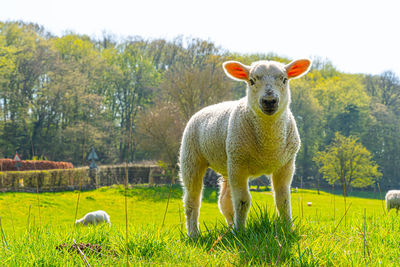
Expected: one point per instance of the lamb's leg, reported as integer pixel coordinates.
(225, 201)
(281, 180)
(241, 198)
(192, 172)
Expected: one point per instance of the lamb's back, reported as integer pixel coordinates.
(393, 194)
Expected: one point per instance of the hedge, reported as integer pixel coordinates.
(73, 179)
(45, 180)
(26, 165)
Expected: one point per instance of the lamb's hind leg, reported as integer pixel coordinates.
(192, 172)
(225, 201)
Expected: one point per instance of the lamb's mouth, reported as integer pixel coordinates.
(268, 111)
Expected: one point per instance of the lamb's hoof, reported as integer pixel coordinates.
(194, 235)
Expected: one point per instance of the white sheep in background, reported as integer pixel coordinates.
(245, 138)
(94, 218)
(392, 200)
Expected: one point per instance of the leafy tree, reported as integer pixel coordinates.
(385, 88)
(382, 137)
(26, 51)
(383, 140)
(196, 81)
(307, 112)
(131, 81)
(159, 132)
(344, 100)
(347, 161)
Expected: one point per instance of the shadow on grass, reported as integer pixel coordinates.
(267, 240)
(160, 193)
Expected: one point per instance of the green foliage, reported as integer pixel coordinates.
(60, 96)
(308, 114)
(348, 162)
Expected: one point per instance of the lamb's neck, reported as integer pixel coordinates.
(269, 128)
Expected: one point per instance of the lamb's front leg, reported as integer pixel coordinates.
(281, 180)
(241, 199)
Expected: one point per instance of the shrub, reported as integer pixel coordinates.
(26, 165)
(45, 180)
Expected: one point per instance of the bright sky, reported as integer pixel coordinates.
(357, 36)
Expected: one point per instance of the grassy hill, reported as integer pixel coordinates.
(321, 234)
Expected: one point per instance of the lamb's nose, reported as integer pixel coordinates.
(269, 102)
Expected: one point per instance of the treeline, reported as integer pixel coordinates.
(130, 99)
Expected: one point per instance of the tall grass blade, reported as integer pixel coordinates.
(169, 195)
(81, 254)
(77, 201)
(382, 201)
(38, 198)
(3, 236)
(344, 215)
(29, 217)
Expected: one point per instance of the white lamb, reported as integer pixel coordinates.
(245, 138)
(94, 218)
(393, 200)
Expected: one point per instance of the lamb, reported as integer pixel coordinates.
(94, 218)
(242, 139)
(392, 200)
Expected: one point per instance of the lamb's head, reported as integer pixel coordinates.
(267, 82)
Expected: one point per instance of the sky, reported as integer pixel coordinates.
(356, 36)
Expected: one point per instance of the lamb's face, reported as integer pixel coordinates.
(268, 87)
(268, 90)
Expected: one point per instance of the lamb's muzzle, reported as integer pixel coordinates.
(269, 103)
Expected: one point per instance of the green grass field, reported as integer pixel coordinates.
(321, 235)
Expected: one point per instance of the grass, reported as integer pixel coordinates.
(318, 237)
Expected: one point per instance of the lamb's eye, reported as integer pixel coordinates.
(284, 80)
(252, 82)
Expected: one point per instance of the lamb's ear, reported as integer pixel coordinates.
(236, 70)
(298, 68)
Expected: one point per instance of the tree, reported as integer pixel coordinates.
(131, 81)
(347, 161)
(197, 80)
(160, 131)
(24, 53)
(383, 140)
(341, 97)
(307, 112)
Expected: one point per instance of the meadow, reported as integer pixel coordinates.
(320, 236)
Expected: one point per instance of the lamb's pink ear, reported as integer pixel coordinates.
(298, 68)
(236, 70)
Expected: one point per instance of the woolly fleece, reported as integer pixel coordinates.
(242, 139)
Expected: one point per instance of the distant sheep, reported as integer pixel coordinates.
(94, 218)
(241, 139)
(393, 200)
